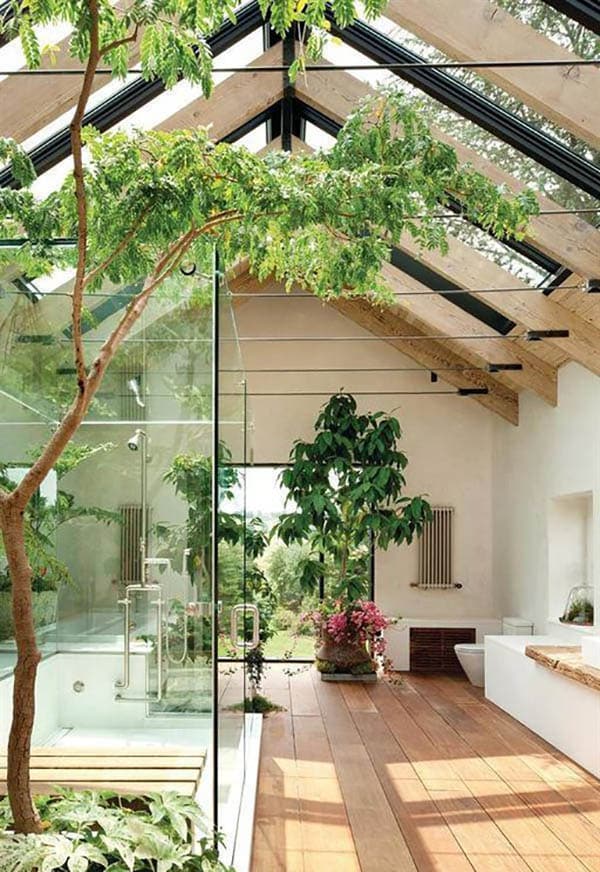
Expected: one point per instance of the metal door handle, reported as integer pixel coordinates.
(234, 633)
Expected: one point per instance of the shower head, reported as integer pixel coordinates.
(134, 387)
(134, 441)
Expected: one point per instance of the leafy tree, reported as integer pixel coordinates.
(145, 201)
(347, 486)
(541, 17)
(43, 517)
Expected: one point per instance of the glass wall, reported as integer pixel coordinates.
(121, 531)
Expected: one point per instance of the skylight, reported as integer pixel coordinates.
(481, 141)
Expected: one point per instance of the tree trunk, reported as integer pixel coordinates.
(26, 819)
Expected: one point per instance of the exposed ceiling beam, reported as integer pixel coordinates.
(535, 310)
(474, 106)
(472, 30)
(434, 314)
(131, 97)
(566, 238)
(429, 353)
(234, 103)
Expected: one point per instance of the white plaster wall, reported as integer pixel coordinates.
(448, 440)
(553, 453)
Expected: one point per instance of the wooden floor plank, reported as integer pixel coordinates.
(277, 844)
(431, 842)
(427, 776)
(380, 844)
(303, 696)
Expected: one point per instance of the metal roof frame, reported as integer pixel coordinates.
(475, 107)
(586, 12)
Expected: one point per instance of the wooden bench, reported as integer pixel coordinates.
(127, 770)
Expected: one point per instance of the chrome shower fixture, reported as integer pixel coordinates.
(134, 387)
(134, 441)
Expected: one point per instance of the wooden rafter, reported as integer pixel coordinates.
(534, 310)
(29, 104)
(472, 30)
(235, 101)
(429, 353)
(438, 314)
(566, 238)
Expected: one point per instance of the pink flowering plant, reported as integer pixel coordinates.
(351, 624)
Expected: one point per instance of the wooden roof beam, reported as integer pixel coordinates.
(439, 315)
(469, 269)
(429, 353)
(566, 238)
(471, 30)
(234, 101)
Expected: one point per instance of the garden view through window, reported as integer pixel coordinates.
(281, 598)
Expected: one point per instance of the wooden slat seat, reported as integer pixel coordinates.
(125, 770)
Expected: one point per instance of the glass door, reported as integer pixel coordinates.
(237, 621)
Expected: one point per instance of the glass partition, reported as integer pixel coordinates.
(122, 531)
(233, 617)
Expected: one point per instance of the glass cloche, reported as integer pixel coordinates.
(580, 606)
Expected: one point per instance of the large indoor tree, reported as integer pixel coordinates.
(139, 202)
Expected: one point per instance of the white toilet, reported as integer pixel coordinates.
(472, 657)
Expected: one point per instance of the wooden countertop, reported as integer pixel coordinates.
(566, 660)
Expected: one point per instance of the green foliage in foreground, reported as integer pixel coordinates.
(171, 33)
(324, 220)
(89, 832)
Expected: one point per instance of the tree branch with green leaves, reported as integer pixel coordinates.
(139, 202)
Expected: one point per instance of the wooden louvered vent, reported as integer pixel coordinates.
(432, 648)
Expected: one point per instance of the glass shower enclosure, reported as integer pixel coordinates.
(135, 629)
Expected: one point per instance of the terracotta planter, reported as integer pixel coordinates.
(344, 655)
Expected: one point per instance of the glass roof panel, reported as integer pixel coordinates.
(555, 25)
(525, 169)
(494, 92)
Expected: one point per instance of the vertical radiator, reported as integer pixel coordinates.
(436, 551)
(131, 532)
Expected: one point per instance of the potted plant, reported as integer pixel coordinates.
(346, 487)
(350, 640)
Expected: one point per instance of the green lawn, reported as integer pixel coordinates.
(303, 647)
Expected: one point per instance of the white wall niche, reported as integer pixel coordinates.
(570, 547)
